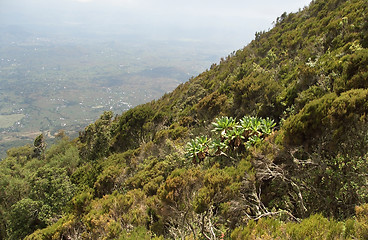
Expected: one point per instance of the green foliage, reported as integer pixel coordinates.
(95, 140)
(329, 112)
(107, 181)
(218, 146)
(81, 201)
(175, 132)
(341, 180)
(308, 121)
(127, 210)
(218, 187)
(39, 146)
(85, 176)
(127, 178)
(25, 152)
(149, 178)
(51, 187)
(12, 188)
(197, 149)
(308, 95)
(360, 228)
(256, 95)
(179, 182)
(262, 229)
(224, 124)
(267, 126)
(232, 136)
(314, 227)
(132, 128)
(212, 105)
(354, 70)
(24, 218)
(138, 233)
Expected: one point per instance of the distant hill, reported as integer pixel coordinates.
(271, 143)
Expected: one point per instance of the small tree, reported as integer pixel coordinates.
(39, 146)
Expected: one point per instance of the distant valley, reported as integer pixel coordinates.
(53, 83)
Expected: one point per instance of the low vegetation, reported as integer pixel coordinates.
(269, 144)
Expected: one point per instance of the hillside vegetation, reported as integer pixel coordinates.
(271, 143)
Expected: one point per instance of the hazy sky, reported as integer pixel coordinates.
(233, 21)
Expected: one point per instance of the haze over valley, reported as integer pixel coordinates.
(62, 64)
(48, 85)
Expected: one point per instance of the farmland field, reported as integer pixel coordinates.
(9, 120)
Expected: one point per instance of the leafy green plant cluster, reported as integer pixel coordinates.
(231, 135)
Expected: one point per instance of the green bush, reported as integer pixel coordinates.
(326, 114)
(24, 218)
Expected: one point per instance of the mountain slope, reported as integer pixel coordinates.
(164, 170)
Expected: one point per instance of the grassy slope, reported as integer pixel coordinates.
(308, 73)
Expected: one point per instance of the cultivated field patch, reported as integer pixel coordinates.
(9, 120)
